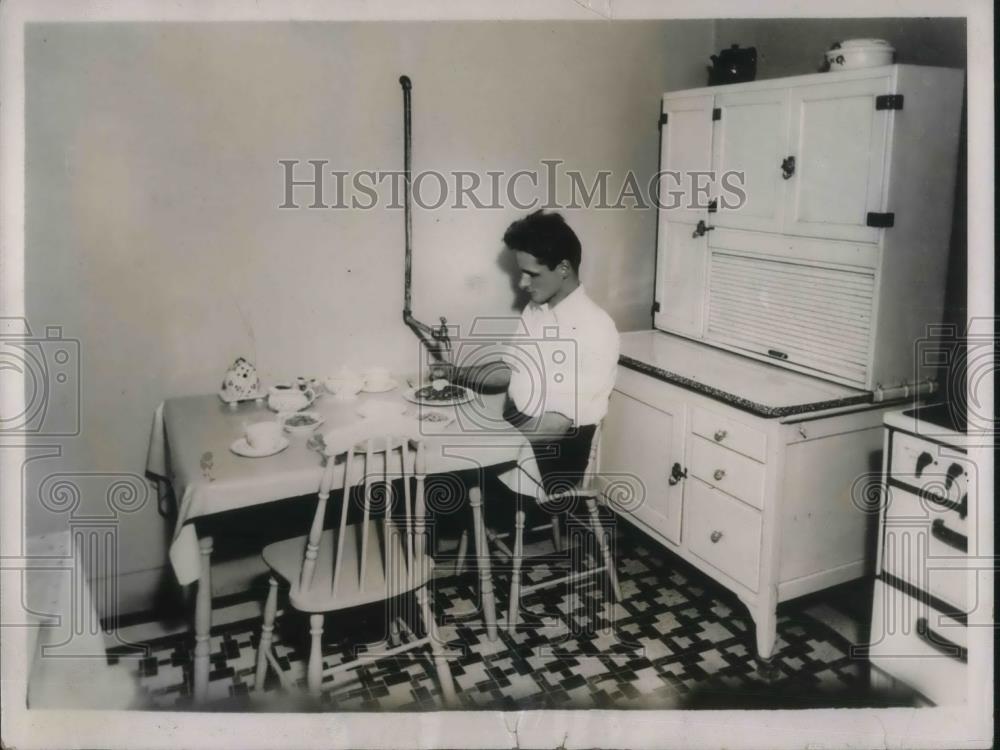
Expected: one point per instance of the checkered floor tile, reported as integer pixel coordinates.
(675, 640)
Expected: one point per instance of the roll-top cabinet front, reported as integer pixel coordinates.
(805, 212)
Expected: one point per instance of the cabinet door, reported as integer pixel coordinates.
(750, 139)
(680, 280)
(685, 152)
(639, 445)
(838, 140)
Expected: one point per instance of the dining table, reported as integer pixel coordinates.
(191, 453)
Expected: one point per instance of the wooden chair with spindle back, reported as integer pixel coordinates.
(360, 562)
(556, 504)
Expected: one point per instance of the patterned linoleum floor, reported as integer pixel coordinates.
(675, 640)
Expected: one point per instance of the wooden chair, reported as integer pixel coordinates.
(360, 562)
(557, 505)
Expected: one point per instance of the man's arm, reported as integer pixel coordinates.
(549, 426)
(485, 376)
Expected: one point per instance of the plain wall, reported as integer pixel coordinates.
(153, 234)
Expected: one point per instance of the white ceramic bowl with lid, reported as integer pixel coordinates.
(852, 54)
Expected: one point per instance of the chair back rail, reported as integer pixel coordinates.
(403, 529)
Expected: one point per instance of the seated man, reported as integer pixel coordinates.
(559, 378)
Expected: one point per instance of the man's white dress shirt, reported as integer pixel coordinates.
(564, 360)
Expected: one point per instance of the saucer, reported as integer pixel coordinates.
(242, 448)
(382, 387)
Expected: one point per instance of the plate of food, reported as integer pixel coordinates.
(434, 417)
(302, 422)
(438, 393)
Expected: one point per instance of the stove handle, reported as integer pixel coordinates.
(939, 643)
(949, 536)
(924, 460)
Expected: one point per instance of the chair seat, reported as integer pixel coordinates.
(285, 559)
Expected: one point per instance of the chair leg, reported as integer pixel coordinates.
(556, 533)
(266, 633)
(463, 549)
(514, 611)
(437, 648)
(314, 672)
(602, 538)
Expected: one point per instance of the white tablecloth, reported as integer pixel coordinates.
(190, 447)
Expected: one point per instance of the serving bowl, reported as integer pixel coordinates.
(852, 54)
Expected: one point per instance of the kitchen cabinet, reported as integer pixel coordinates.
(635, 434)
(820, 241)
(926, 602)
(756, 475)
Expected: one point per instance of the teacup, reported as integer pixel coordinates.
(263, 435)
(344, 388)
(284, 397)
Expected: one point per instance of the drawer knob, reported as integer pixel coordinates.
(720, 435)
(715, 536)
(719, 474)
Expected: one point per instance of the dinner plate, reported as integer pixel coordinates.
(410, 394)
(242, 448)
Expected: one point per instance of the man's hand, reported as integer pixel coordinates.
(442, 369)
(487, 377)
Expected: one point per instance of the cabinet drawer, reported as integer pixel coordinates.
(918, 646)
(723, 532)
(922, 545)
(730, 434)
(728, 471)
(930, 467)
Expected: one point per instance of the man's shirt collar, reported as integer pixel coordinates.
(570, 301)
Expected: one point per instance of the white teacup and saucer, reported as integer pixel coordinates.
(260, 439)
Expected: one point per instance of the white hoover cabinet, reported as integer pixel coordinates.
(758, 476)
(805, 221)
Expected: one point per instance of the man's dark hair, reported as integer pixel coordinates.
(547, 236)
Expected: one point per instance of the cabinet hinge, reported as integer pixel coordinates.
(663, 120)
(656, 307)
(881, 221)
(716, 114)
(889, 101)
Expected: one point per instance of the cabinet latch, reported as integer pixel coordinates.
(713, 205)
(716, 114)
(881, 221)
(656, 307)
(889, 101)
(677, 473)
(663, 120)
